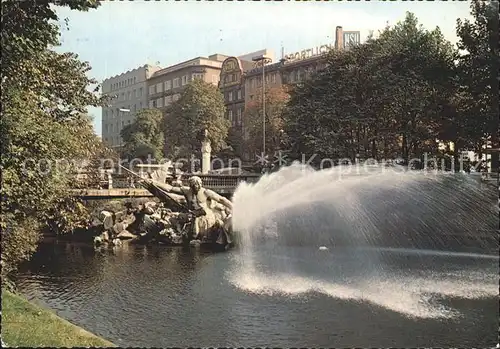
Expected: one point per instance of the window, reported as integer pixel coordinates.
(112, 113)
(230, 96)
(140, 92)
(159, 102)
(135, 107)
(140, 105)
(273, 78)
(252, 83)
(239, 94)
(168, 101)
(123, 96)
(152, 89)
(106, 128)
(150, 104)
(135, 80)
(168, 85)
(154, 103)
(135, 93)
(159, 88)
(129, 95)
(184, 80)
(267, 78)
(230, 116)
(299, 75)
(129, 122)
(197, 76)
(175, 83)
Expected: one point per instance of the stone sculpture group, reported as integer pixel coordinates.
(184, 213)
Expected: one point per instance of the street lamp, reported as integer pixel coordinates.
(263, 59)
(122, 110)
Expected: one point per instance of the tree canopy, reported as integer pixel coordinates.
(145, 135)
(200, 107)
(45, 130)
(392, 96)
(477, 70)
(276, 99)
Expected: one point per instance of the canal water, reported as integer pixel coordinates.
(295, 296)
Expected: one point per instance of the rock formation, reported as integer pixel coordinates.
(183, 215)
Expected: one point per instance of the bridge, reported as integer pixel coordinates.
(120, 186)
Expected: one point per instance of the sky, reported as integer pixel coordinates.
(123, 35)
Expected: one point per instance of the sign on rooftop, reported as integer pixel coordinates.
(308, 53)
(351, 38)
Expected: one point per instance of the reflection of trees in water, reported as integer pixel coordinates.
(64, 259)
(58, 267)
(62, 271)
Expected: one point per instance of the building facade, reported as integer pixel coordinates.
(242, 81)
(166, 85)
(232, 87)
(128, 94)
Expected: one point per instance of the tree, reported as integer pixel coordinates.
(276, 99)
(200, 107)
(44, 99)
(383, 98)
(145, 135)
(478, 66)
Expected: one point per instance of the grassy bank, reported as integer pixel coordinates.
(25, 324)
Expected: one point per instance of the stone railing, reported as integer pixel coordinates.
(211, 181)
(224, 181)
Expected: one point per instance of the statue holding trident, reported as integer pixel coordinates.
(200, 205)
(207, 210)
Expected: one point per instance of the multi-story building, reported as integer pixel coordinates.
(232, 88)
(295, 67)
(128, 94)
(241, 79)
(166, 85)
(232, 85)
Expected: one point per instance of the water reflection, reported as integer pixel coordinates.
(157, 296)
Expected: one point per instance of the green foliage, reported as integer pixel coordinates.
(19, 241)
(381, 99)
(145, 135)
(478, 67)
(28, 29)
(45, 132)
(201, 107)
(276, 99)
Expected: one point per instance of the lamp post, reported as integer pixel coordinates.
(263, 59)
(122, 110)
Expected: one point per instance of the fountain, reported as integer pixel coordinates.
(298, 227)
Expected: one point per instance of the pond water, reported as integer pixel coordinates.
(293, 296)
